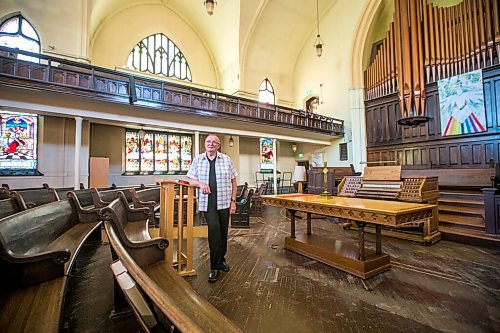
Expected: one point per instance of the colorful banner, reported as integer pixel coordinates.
(461, 104)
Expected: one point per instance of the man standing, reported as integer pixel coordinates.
(215, 175)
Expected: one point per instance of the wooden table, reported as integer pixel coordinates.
(343, 254)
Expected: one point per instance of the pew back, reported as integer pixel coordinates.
(45, 224)
(32, 198)
(8, 207)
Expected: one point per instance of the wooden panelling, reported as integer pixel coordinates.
(465, 155)
(477, 154)
(424, 144)
(454, 155)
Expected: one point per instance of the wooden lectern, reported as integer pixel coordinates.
(171, 197)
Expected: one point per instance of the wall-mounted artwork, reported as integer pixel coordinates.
(461, 104)
(18, 142)
(266, 154)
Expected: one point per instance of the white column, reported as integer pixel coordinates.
(78, 146)
(196, 143)
(357, 109)
(275, 180)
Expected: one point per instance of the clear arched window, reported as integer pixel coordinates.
(266, 92)
(16, 32)
(157, 54)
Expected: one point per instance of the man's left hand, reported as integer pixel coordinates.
(232, 209)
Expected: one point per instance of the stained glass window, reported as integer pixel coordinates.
(147, 155)
(157, 153)
(161, 152)
(186, 152)
(174, 154)
(266, 154)
(17, 32)
(157, 54)
(132, 151)
(18, 143)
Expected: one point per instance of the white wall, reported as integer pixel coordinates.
(332, 70)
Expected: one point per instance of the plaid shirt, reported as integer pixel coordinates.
(224, 173)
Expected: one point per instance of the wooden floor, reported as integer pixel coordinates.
(447, 287)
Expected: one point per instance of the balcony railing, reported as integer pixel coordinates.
(47, 73)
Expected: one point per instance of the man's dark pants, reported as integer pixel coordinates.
(218, 224)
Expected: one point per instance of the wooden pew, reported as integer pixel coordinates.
(32, 198)
(8, 207)
(132, 226)
(44, 185)
(37, 250)
(240, 191)
(5, 190)
(36, 308)
(102, 199)
(241, 218)
(470, 179)
(148, 198)
(84, 197)
(256, 206)
(61, 192)
(40, 244)
(170, 299)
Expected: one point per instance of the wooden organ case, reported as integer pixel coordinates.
(385, 183)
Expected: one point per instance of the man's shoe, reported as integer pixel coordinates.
(225, 267)
(213, 276)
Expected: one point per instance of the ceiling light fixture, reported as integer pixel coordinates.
(231, 141)
(210, 5)
(319, 43)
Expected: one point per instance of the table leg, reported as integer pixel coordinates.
(292, 222)
(309, 231)
(361, 241)
(378, 239)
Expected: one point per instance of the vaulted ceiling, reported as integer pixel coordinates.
(250, 29)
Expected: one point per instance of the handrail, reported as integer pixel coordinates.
(119, 87)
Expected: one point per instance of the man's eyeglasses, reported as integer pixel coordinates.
(212, 142)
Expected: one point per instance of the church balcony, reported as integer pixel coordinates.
(56, 75)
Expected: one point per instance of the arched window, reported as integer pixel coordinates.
(157, 54)
(16, 32)
(266, 92)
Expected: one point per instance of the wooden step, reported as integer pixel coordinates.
(468, 236)
(460, 201)
(469, 221)
(477, 211)
(462, 196)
